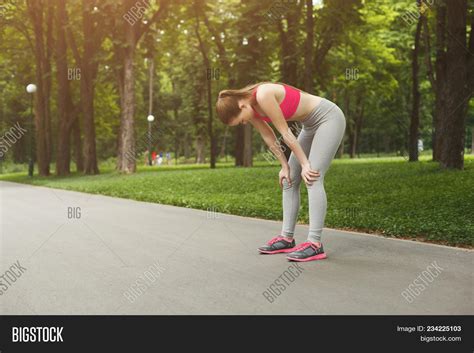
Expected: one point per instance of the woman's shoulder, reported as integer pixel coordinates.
(269, 88)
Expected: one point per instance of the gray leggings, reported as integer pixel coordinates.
(320, 137)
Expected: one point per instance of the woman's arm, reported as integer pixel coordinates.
(266, 99)
(268, 135)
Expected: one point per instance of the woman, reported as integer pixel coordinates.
(323, 123)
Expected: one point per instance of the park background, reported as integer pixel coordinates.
(402, 71)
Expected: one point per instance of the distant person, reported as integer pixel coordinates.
(323, 123)
(160, 159)
(153, 157)
(420, 145)
(168, 158)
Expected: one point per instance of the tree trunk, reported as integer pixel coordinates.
(88, 74)
(352, 137)
(415, 114)
(187, 151)
(347, 99)
(200, 158)
(176, 149)
(225, 63)
(43, 81)
(340, 151)
(472, 140)
(127, 140)
(239, 145)
(289, 59)
(248, 26)
(64, 101)
(388, 145)
(176, 135)
(248, 160)
(223, 151)
(20, 149)
(130, 34)
(454, 120)
(177, 132)
(471, 71)
(210, 129)
(354, 141)
(431, 77)
(77, 143)
(359, 117)
(353, 150)
(308, 58)
(48, 78)
(440, 68)
(90, 155)
(470, 57)
(207, 65)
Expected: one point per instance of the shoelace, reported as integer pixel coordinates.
(274, 240)
(304, 246)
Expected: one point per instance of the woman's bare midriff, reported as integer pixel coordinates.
(308, 102)
(306, 105)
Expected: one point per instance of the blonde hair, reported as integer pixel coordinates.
(227, 105)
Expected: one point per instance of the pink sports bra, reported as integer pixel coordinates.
(288, 106)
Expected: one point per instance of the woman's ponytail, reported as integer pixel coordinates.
(224, 93)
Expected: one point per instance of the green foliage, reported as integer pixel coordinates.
(371, 37)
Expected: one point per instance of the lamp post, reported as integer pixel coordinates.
(150, 119)
(31, 89)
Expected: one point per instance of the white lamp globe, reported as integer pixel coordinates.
(150, 118)
(31, 88)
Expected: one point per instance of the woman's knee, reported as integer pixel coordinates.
(295, 183)
(318, 183)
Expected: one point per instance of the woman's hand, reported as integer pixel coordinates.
(284, 174)
(308, 175)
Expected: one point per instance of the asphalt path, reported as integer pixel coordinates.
(66, 252)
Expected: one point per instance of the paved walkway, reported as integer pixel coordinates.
(128, 257)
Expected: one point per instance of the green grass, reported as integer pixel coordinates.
(381, 195)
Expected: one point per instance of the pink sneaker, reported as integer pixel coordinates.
(277, 245)
(307, 251)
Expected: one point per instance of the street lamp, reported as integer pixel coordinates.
(150, 119)
(31, 89)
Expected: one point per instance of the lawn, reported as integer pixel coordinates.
(378, 195)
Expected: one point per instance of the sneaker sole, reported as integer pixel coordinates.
(276, 251)
(311, 258)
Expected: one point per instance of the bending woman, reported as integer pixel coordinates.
(323, 123)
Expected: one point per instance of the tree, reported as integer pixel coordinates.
(93, 30)
(415, 114)
(440, 68)
(199, 11)
(251, 66)
(453, 120)
(470, 66)
(41, 14)
(64, 99)
(126, 35)
(218, 35)
(289, 53)
(308, 58)
(288, 41)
